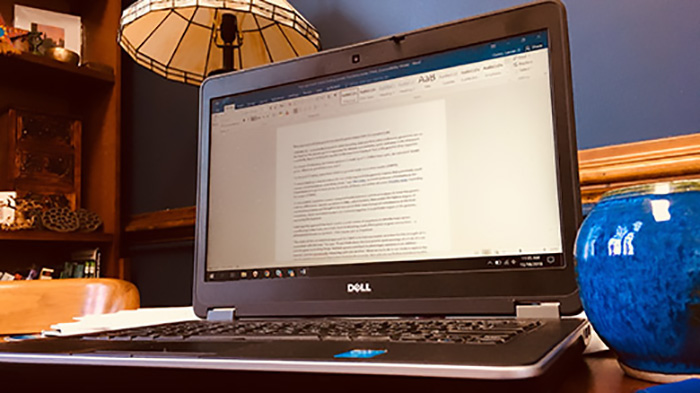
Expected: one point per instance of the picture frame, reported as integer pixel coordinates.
(61, 29)
(7, 208)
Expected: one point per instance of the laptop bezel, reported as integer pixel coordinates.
(487, 293)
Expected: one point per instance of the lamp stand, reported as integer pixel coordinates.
(228, 31)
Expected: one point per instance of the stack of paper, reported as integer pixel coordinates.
(122, 320)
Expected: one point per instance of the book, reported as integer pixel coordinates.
(86, 263)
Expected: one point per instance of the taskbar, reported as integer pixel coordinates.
(486, 263)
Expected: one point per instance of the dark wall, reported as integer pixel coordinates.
(159, 161)
(636, 67)
(636, 72)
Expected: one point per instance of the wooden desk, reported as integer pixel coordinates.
(600, 373)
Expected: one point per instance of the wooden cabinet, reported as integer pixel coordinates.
(91, 96)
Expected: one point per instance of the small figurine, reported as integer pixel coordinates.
(36, 39)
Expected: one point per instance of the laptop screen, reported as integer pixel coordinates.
(439, 163)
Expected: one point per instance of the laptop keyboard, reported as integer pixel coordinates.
(485, 331)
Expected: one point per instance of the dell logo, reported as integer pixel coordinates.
(359, 287)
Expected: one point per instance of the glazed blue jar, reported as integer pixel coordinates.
(638, 270)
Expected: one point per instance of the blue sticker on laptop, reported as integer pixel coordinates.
(361, 354)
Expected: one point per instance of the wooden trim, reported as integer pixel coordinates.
(600, 169)
(643, 150)
(610, 167)
(165, 226)
(164, 219)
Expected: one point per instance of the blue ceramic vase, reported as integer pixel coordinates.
(638, 269)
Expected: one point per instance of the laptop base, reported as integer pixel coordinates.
(87, 377)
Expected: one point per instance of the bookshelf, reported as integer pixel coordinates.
(91, 95)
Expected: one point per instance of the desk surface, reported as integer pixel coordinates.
(600, 373)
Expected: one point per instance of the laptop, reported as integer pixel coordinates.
(401, 207)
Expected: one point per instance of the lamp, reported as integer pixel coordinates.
(187, 40)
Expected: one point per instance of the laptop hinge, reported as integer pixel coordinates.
(548, 310)
(221, 314)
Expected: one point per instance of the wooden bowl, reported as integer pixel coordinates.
(63, 55)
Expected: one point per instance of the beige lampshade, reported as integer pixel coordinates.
(177, 38)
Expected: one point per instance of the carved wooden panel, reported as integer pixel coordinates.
(40, 155)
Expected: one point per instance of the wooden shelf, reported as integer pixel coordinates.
(172, 225)
(49, 69)
(165, 219)
(77, 237)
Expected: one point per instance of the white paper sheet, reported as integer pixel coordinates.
(121, 320)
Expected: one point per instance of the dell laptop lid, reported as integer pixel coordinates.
(427, 173)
